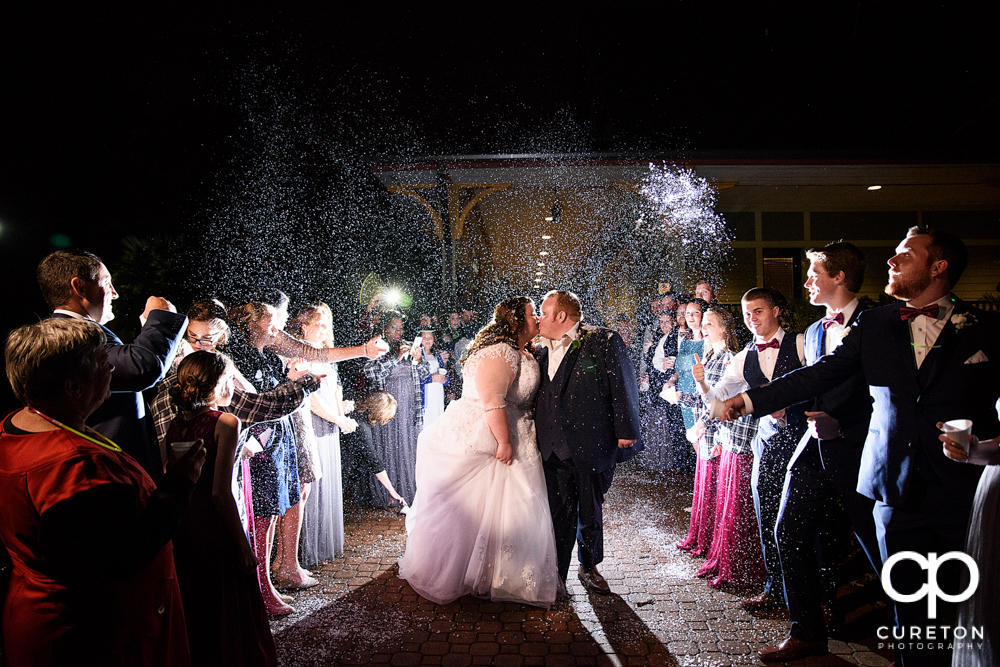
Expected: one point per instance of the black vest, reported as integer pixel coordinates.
(551, 437)
(787, 361)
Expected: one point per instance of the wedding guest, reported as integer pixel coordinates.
(735, 558)
(216, 565)
(684, 456)
(77, 285)
(452, 333)
(820, 492)
(721, 343)
(89, 533)
(683, 331)
(207, 329)
(705, 291)
(664, 422)
(434, 386)
(937, 348)
(323, 522)
(769, 357)
(358, 446)
(983, 608)
(400, 372)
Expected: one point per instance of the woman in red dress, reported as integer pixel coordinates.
(87, 530)
(216, 566)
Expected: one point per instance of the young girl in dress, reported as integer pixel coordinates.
(216, 566)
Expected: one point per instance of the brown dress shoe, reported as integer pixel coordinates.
(761, 602)
(792, 649)
(593, 581)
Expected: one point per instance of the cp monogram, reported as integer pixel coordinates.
(930, 590)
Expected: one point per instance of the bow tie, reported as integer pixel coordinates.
(907, 314)
(828, 322)
(771, 343)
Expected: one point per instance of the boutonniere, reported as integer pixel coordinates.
(575, 345)
(841, 335)
(962, 320)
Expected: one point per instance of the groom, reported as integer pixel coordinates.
(587, 418)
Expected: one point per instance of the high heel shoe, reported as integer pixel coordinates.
(277, 608)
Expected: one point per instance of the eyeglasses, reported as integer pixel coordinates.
(205, 340)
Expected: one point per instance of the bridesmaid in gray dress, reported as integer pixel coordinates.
(400, 372)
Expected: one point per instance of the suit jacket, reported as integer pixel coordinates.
(658, 377)
(138, 366)
(849, 403)
(902, 452)
(591, 403)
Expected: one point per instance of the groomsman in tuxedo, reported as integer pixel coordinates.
(771, 354)
(77, 284)
(822, 478)
(587, 420)
(930, 359)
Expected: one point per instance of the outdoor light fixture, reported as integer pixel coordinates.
(544, 252)
(546, 236)
(548, 218)
(539, 273)
(874, 187)
(541, 264)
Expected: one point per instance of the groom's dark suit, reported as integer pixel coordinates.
(923, 499)
(138, 366)
(580, 414)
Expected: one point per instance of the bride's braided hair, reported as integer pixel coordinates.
(508, 320)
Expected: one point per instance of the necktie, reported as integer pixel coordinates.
(907, 314)
(771, 343)
(828, 322)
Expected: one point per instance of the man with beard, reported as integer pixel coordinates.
(930, 360)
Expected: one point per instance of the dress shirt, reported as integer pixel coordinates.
(834, 335)
(70, 313)
(924, 330)
(659, 356)
(559, 348)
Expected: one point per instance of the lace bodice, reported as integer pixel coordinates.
(499, 372)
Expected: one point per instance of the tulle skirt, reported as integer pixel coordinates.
(703, 510)
(478, 526)
(735, 557)
(983, 544)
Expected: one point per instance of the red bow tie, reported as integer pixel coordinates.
(828, 322)
(907, 314)
(771, 343)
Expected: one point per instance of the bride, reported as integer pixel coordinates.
(480, 522)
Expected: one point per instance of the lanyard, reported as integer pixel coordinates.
(107, 443)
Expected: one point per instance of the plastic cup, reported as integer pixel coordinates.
(959, 430)
(181, 448)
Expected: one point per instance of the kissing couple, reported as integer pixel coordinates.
(515, 471)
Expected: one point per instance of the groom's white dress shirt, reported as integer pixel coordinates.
(559, 348)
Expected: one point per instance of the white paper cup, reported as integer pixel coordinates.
(959, 430)
(181, 448)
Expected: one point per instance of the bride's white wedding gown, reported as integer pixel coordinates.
(476, 525)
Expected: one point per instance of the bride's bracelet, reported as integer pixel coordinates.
(499, 407)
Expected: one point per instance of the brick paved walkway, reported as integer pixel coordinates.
(659, 612)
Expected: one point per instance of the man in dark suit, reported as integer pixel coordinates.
(587, 419)
(933, 359)
(822, 476)
(77, 284)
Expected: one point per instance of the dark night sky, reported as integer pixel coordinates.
(116, 123)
